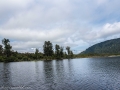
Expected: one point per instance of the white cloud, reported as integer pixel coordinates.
(42, 35)
(106, 31)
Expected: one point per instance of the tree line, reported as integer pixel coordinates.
(49, 53)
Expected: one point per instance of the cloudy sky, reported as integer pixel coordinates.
(75, 23)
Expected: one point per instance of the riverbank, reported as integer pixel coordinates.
(96, 56)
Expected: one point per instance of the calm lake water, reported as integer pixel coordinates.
(74, 74)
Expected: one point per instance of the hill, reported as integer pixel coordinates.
(107, 47)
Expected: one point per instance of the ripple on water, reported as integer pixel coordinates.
(75, 74)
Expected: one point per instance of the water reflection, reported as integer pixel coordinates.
(74, 74)
(6, 75)
(48, 71)
(1, 74)
(59, 70)
(48, 74)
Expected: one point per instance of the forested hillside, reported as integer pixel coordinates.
(107, 47)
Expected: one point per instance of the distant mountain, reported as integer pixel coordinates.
(107, 47)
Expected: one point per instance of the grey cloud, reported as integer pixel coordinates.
(76, 23)
(38, 15)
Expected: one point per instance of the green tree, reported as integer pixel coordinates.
(61, 52)
(57, 51)
(71, 54)
(36, 53)
(68, 50)
(48, 48)
(7, 47)
(1, 50)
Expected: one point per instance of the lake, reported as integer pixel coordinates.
(74, 74)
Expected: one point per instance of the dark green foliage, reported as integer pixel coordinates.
(25, 58)
(108, 47)
(1, 50)
(12, 59)
(59, 52)
(19, 56)
(68, 50)
(65, 55)
(36, 53)
(48, 48)
(1, 59)
(7, 47)
(70, 53)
